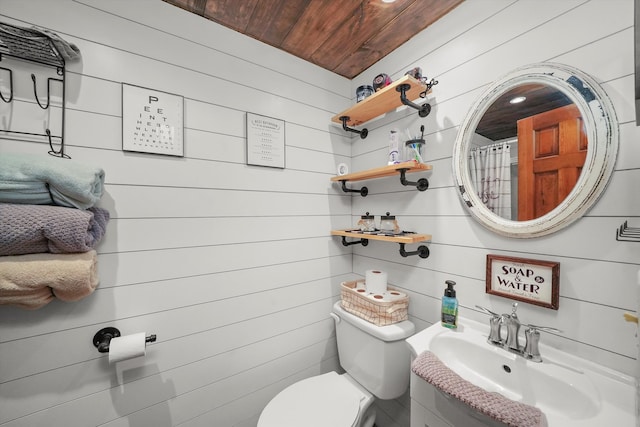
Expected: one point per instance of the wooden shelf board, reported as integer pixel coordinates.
(381, 102)
(383, 171)
(407, 238)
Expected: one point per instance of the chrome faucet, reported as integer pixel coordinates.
(512, 324)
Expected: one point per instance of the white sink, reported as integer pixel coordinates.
(569, 390)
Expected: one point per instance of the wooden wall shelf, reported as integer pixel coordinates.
(404, 238)
(385, 171)
(422, 251)
(381, 102)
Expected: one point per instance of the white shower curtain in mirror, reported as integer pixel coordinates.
(490, 168)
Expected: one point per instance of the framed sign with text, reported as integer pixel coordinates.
(527, 280)
(265, 141)
(152, 121)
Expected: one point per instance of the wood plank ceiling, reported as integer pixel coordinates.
(343, 36)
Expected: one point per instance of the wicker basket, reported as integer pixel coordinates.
(381, 310)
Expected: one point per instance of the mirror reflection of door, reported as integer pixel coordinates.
(544, 174)
(552, 148)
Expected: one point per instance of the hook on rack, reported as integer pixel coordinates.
(10, 86)
(363, 242)
(60, 153)
(363, 191)
(423, 110)
(422, 251)
(35, 92)
(363, 133)
(628, 234)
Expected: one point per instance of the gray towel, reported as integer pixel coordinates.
(68, 51)
(46, 180)
(514, 414)
(32, 229)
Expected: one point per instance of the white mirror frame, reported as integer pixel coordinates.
(601, 126)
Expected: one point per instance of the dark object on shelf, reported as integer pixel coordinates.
(381, 81)
(363, 91)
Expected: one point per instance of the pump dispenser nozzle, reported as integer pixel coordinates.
(450, 292)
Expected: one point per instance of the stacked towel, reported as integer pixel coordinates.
(31, 281)
(514, 414)
(68, 51)
(32, 229)
(45, 180)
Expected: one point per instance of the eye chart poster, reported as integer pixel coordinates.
(152, 121)
(265, 141)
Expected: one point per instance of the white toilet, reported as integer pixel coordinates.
(376, 360)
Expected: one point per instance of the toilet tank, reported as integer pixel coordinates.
(375, 356)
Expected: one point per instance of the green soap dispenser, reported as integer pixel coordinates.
(450, 306)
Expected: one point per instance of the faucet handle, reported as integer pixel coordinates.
(544, 328)
(532, 335)
(486, 310)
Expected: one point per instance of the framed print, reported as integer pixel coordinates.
(265, 141)
(527, 280)
(152, 121)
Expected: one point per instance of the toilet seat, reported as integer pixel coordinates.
(320, 401)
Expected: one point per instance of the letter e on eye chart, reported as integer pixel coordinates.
(531, 281)
(152, 121)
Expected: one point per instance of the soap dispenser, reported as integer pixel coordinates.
(450, 306)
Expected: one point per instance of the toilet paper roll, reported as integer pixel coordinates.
(127, 347)
(376, 281)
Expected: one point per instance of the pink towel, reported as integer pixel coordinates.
(514, 414)
(31, 281)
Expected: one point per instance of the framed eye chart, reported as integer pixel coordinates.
(152, 121)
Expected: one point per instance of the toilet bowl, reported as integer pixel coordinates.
(376, 360)
(321, 401)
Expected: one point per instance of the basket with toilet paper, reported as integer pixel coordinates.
(382, 308)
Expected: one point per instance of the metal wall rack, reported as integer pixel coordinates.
(627, 234)
(33, 46)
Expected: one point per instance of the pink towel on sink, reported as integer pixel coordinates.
(514, 414)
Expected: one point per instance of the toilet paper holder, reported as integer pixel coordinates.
(103, 337)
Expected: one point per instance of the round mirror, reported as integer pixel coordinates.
(536, 150)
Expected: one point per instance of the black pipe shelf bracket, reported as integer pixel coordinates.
(364, 191)
(423, 110)
(422, 184)
(363, 133)
(363, 242)
(37, 48)
(422, 251)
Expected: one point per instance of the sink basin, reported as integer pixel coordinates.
(570, 391)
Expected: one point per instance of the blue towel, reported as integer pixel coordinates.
(46, 180)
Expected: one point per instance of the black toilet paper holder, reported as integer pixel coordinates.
(103, 337)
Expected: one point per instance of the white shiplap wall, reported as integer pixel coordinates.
(231, 265)
(467, 50)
